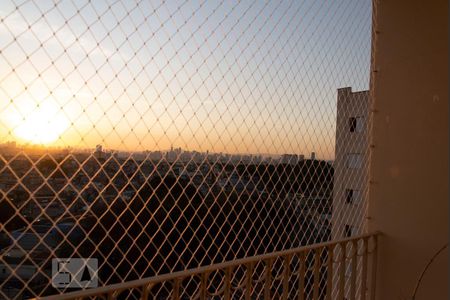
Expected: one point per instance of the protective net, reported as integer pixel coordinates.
(162, 136)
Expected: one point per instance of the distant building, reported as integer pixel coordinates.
(155, 155)
(8, 148)
(350, 165)
(171, 155)
(98, 153)
(290, 159)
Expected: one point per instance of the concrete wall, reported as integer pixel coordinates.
(408, 198)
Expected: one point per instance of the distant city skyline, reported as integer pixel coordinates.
(12, 147)
(241, 78)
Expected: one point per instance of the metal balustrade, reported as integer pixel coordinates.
(302, 273)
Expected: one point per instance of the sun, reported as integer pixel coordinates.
(43, 125)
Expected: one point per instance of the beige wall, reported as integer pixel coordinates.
(408, 198)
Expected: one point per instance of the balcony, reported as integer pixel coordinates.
(165, 144)
(322, 271)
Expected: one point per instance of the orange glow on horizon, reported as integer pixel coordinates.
(43, 125)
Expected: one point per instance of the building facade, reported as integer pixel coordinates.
(351, 163)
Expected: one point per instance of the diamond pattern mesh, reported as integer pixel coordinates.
(162, 136)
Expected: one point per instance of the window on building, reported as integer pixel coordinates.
(356, 124)
(348, 230)
(352, 196)
(352, 124)
(354, 160)
(348, 196)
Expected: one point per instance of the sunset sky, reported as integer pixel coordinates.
(223, 76)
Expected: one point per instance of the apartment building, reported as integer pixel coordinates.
(350, 165)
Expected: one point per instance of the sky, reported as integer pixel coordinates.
(225, 76)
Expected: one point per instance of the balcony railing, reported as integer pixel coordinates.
(344, 269)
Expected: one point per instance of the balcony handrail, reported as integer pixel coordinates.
(180, 275)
